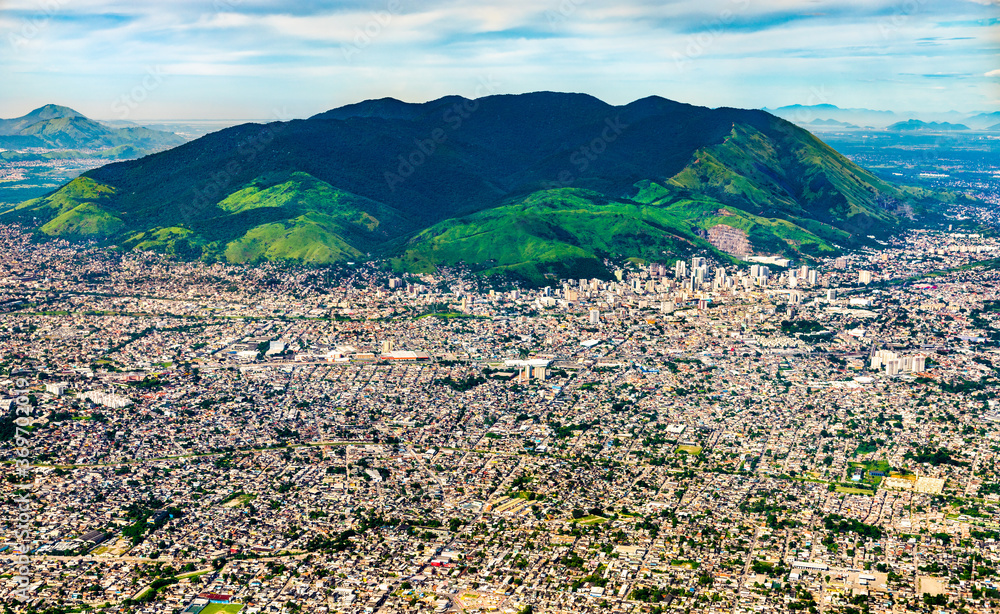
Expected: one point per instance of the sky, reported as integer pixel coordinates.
(283, 59)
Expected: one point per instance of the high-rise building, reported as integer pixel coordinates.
(56, 389)
(812, 277)
(595, 317)
(864, 277)
(840, 263)
(680, 270)
(892, 367)
(759, 271)
(886, 355)
(831, 294)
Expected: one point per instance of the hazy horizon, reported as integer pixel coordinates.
(281, 117)
(259, 59)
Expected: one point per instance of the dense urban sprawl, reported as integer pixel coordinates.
(689, 436)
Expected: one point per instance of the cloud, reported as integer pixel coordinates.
(714, 52)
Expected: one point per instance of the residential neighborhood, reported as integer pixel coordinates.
(689, 435)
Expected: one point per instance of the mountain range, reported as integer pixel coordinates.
(915, 125)
(57, 127)
(529, 185)
(819, 115)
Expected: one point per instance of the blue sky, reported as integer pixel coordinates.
(260, 59)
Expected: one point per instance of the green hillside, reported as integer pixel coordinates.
(521, 189)
(562, 232)
(798, 179)
(78, 210)
(281, 216)
(62, 128)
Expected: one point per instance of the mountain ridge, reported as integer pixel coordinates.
(419, 182)
(58, 127)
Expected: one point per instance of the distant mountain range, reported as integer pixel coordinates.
(529, 185)
(56, 127)
(819, 115)
(915, 125)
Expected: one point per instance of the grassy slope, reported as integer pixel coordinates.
(798, 236)
(76, 210)
(281, 217)
(798, 179)
(73, 132)
(85, 220)
(290, 216)
(562, 231)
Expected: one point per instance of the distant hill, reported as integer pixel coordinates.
(806, 114)
(529, 185)
(14, 126)
(831, 123)
(56, 127)
(983, 121)
(917, 125)
(813, 115)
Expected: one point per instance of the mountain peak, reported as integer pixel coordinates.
(52, 111)
(526, 184)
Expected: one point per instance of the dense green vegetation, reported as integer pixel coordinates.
(562, 232)
(941, 456)
(835, 523)
(532, 186)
